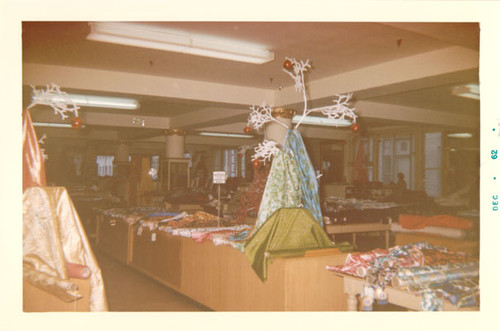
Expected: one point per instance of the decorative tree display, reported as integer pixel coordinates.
(260, 115)
(53, 96)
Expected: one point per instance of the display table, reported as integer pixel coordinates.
(333, 229)
(354, 286)
(221, 278)
(460, 245)
(114, 237)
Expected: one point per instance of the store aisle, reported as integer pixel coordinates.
(130, 290)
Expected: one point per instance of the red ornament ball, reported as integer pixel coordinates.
(256, 164)
(76, 123)
(355, 128)
(247, 129)
(288, 65)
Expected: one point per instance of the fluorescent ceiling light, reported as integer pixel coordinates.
(323, 121)
(138, 35)
(228, 135)
(54, 125)
(460, 135)
(467, 91)
(96, 101)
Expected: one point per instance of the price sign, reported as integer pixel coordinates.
(219, 177)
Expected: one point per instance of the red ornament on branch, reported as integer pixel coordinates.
(76, 123)
(247, 129)
(288, 65)
(256, 164)
(355, 128)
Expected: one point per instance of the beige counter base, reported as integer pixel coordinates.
(221, 278)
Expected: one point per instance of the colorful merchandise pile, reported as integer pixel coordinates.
(432, 272)
(199, 226)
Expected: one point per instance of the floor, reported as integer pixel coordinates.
(130, 290)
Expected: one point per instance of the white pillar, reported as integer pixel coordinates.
(276, 131)
(174, 143)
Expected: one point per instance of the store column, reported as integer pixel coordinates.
(175, 168)
(275, 131)
(122, 164)
(174, 143)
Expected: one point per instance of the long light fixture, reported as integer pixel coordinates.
(322, 121)
(460, 135)
(227, 135)
(147, 36)
(53, 125)
(467, 91)
(97, 101)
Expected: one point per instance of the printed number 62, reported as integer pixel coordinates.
(494, 154)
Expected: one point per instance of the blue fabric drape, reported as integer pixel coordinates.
(282, 188)
(310, 189)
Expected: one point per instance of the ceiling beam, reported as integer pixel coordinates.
(415, 69)
(111, 119)
(137, 84)
(368, 109)
(209, 117)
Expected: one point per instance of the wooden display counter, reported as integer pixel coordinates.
(114, 237)
(221, 278)
(333, 229)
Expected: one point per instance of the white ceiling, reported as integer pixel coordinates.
(397, 71)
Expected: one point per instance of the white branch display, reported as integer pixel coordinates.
(265, 150)
(338, 111)
(55, 98)
(243, 149)
(42, 150)
(260, 115)
(42, 138)
(298, 73)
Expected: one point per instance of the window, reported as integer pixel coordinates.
(385, 163)
(155, 164)
(229, 161)
(403, 159)
(368, 146)
(396, 155)
(433, 164)
(104, 165)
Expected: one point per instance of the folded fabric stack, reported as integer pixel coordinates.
(442, 225)
(433, 272)
(200, 226)
(133, 215)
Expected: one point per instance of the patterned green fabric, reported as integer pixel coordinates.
(282, 188)
(294, 145)
(289, 231)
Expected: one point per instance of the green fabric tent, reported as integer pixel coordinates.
(287, 232)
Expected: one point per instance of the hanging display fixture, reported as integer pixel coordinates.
(260, 115)
(59, 101)
(292, 180)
